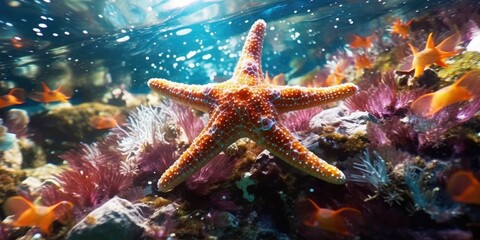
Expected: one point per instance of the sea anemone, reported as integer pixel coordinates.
(94, 178)
(145, 129)
(424, 193)
(392, 132)
(218, 169)
(371, 170)
(297, 121)
(431, 130)
(383, 98)
(153, 140)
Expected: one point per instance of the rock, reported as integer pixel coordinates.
(37, 176)
(33, 154)
(10, 154)
(339, 133)
(117, 219)
(9, 180)
(337, 119)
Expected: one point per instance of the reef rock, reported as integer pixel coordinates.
(117, 219)
(11, 158)
(340, 121)
(340, 133)
(62, 128)
(9, 179)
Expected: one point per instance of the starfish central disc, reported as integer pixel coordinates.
(246, 106)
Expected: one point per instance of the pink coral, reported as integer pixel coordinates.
(297, 121)
(382, 98)
(218, 169)
(431, 130)
(94, 177)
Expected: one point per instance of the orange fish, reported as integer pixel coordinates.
(27, 214)
(332, 220)
(104, 122)
(13, 97)
(432, 54)
(337, 75)
(402, 29)
(48, 95)
(464, 89)
(361, 42)
(464, 187)
(362, 62)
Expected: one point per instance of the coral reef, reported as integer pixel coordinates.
(62, 128)
(410, 175)
(9, 180)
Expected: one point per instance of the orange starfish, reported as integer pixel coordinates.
(433, 54)
(27, 214)
(247, 106)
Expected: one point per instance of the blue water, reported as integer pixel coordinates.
(185, 41)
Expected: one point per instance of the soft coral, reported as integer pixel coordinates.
(382, 97)
(94, 177)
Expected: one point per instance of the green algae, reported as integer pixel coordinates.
(460, 65)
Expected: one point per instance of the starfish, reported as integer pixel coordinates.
(247, 106)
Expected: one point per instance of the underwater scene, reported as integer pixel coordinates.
(210, 119)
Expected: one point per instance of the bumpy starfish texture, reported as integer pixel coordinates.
(247, 106)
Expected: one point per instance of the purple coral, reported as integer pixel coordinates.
(383, 98)
(430, 130)
(218, 169)
(184, 116)
(152, 141)
(393, 132)
(297, 121)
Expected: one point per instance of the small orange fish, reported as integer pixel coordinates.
(432, 54)
(464, 187)
(13, 97)
(337, 75)
(27, 214)
(402, 29)
(104, 122)
(48, 95)
(361, 42)
(332, 220)
(464, 89)
(362, 62)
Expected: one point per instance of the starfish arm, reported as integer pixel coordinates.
(249, 68)
(195, 96)
(289, 98)
(219, 134)
(280, 142)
